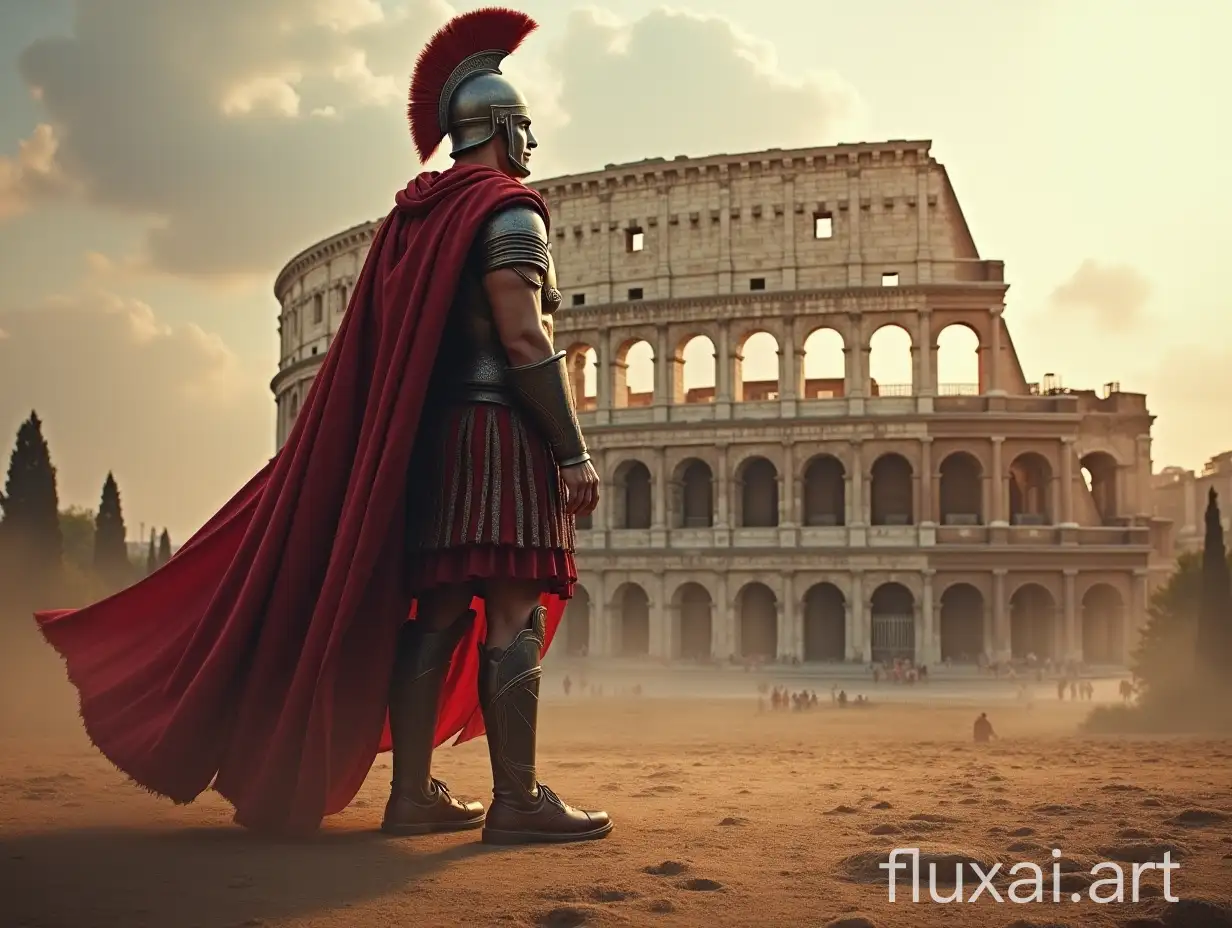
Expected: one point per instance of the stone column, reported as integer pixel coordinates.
(659, 490)
(605, 375)
(993, 387)
(855, 260)
(789, 371)
(1071, 637)
(664, 374)
(926, 491)
(857, 506)
(1000, 483)
(610, 240)
(660, 616)
(926, 371)
(789, 232)
(1001, 643)
(600, 644)
(1067, 482)
(859, 641)
(724, 370)
(663, 244)
(721, 620)
(792, 644)
(923, 255)
(1137, 618)
(722, 491)
(787, 487)
(725, 249)
(1142, 485)
(929, 651)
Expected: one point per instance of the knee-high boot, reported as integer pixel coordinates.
(419, 803)
(523, 810)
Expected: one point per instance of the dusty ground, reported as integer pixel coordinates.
(723, 817)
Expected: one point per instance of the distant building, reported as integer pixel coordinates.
(1180, 496)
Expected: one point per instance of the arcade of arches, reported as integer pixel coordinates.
(858, 616)
(862, 483)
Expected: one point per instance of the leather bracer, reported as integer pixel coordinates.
(543, 391)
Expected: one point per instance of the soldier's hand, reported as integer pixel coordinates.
(581, 488)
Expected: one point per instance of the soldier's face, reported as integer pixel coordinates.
(522, 143)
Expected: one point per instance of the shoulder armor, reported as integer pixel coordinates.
(514, 236)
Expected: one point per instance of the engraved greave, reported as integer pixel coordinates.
(509, 696)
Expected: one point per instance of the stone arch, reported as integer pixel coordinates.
(891, 491)
(962, 624)
(633, 370)
(893, 623)
(1033, 622)
(1099, 472)
(757, 621)
(758, 481)
(693, 487)
(633, 505)
(576, 622)
(1030, 490)
(825, 623)
(698, 371)
(825, 364)
(1103, 625)
(695, 611)
(962, 490)
(583, 363)
(756, 373)
(958, 361)
(890, 369)
(825, 491)
(633, 622)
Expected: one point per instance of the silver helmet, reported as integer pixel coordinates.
(483, 103)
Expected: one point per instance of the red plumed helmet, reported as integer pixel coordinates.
(491, 31)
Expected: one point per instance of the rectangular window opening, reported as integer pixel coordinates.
(318, 308)
(757, 283)
(635, 293)
(823, 226)
(889, 279)
(635, 240)
(579, 299)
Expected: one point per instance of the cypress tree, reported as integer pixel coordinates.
(151, 556)
(110, 545)
(1215, 611)
(30, 537)
(164, 548)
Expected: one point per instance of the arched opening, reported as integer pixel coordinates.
(962, 490)
(759, 625)
(1099, 472)
(824, 491)
(1033, 619)
(633, 370)
(893, 623)
(694, 489)
(577, 622)
(695, 609)
(633, 498)
(696, 383)
(889, 362)
(962, 624)
(583, 363)
(891, 496)
(958, 361)
(633, 607)
(1103, 625)
(1030, 490)
(759, 493)
(825, 365)
(294, 409)
(825, 624)
(757, 368)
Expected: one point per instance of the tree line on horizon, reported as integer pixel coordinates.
(53, 557)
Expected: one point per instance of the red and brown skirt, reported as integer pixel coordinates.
(486, 502)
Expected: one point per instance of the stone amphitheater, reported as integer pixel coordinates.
(770, 493)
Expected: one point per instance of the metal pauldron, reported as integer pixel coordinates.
(516, 236)
(543, 392)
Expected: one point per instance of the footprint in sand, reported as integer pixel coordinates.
(1200, 818)
(701, 885)
(667, 868)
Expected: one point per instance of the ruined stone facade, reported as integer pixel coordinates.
(1181, 495)
(821, 519)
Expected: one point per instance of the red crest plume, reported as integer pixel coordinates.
(487, 29)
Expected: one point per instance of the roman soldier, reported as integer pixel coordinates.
(433, 473)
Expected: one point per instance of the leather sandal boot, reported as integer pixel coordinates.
(523, 810)
(418, 803)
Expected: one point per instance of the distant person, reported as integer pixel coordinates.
(568, 685)
(982, 730)
(842, 699)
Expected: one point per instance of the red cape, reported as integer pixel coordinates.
(259, 658)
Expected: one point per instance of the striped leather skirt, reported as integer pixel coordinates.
(486, 502)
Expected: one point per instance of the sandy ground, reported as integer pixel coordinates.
(724, 816)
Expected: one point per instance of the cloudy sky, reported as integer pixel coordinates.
(160, 159)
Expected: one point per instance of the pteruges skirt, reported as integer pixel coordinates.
(486, 502)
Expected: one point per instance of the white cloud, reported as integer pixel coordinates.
(32, 174)
(1112, 296)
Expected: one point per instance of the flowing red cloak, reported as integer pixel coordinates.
(258, 659)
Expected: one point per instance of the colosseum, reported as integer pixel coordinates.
(779, 488)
